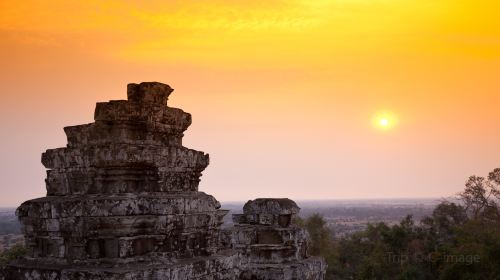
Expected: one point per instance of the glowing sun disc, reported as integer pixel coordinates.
(385, 120)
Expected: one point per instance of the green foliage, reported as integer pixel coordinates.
(458, 241)
(321, 241)
(319, 233)
(11, 254)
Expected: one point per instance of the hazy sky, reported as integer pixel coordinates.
(282, 93)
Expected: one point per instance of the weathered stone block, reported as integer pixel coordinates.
(265, 219)
(239, 218)
(149, 92)
(275, 206)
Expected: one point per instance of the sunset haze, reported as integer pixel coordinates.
(301, 99)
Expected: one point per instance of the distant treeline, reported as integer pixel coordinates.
(376, 210)
(359, 213)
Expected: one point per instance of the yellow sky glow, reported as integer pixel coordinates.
(285, 95)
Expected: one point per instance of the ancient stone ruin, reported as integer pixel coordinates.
(123, 203)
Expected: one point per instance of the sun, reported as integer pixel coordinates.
(385, 120)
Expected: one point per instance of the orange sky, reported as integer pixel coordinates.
(283, 93)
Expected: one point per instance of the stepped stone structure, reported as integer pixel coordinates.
(270, 246)
(123, 203)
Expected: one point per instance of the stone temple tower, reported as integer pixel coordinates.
(123, 203)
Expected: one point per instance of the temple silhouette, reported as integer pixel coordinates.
(123, 203)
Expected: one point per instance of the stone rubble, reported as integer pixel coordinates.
(123, 203)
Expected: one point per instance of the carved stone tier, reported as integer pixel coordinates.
(123, 168)
(223, 266)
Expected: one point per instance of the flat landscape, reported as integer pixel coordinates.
(345, 217)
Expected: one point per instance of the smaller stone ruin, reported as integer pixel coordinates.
(270, 245)
(123, 203)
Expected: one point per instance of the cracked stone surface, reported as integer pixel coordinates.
(123, 203)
